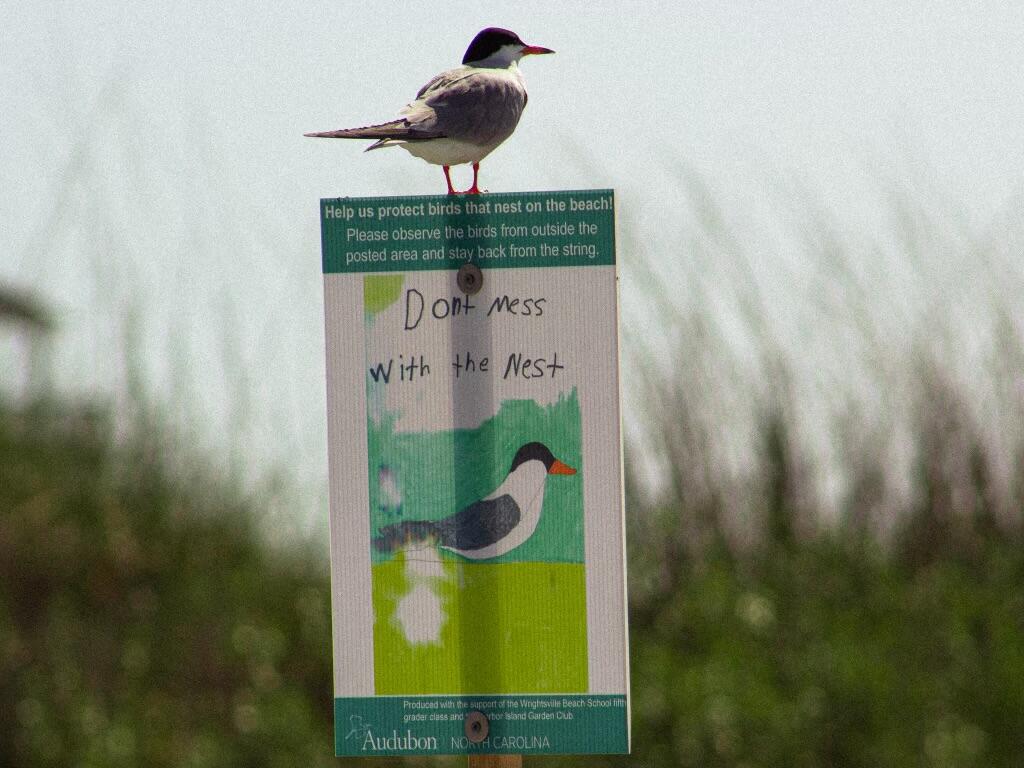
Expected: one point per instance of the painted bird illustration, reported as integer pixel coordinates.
(463, 114)
(494, 525)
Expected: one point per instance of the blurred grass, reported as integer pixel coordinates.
(826, 563)
(144, 620)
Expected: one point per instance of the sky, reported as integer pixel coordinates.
(157, 189)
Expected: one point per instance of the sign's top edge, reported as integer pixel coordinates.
(485, 196)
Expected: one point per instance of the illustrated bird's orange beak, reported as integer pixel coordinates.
(558, 468)
(535, 50)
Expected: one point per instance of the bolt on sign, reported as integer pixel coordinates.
(477, 545)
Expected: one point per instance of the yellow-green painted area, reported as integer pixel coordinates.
(381, 291)
(458, 627)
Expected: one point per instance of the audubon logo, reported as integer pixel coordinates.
(362, 733)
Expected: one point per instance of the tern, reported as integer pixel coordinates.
(497, 523)
(463, 114)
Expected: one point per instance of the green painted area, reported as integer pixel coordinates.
(381, 291)
(438, 473)
(572, 228)
(512, 628)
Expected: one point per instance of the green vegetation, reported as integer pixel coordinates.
(834, 652)
(145, 621)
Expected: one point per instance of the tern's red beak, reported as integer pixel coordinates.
(558, 468)
(535, 50)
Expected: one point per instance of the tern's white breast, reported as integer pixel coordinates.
(448, 151)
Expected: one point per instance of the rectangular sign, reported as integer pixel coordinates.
(477, 542)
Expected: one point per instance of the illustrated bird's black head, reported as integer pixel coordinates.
(488, 44)
(540, 452)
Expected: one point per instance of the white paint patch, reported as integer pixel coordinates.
(420, 613)
(420, 616)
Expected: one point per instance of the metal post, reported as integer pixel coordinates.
(495, 761)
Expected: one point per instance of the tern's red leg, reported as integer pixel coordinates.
(474, 190)
(448, 178)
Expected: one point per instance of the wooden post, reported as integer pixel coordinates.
(495, 761)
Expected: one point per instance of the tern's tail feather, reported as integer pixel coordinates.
(399, 130)
(394, 537)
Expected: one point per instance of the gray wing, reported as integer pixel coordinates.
(468, 104)
(417, 122)
(479, 525)
(442, 81)
(475, 105)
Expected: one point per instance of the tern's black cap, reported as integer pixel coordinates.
(488, 41)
